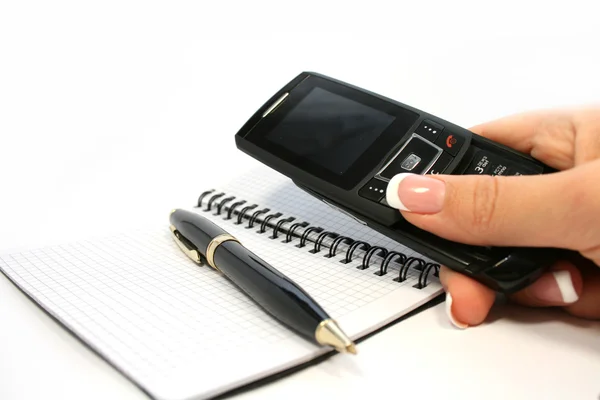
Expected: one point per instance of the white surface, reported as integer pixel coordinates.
(109, 110)
(520, 356)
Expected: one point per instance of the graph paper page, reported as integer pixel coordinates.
(182, 331)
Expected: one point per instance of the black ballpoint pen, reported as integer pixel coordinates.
(205, 242)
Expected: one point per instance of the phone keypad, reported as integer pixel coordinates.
(430, 143)
(486, 163)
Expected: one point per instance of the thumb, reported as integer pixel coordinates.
(552, 210)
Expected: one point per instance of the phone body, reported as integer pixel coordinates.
(342, 144)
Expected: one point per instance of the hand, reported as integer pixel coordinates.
(561, 209)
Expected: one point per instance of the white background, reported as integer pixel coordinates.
(114, 112)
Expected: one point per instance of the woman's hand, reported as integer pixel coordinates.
(554, 210)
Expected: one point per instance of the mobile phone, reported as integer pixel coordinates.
(343, 144)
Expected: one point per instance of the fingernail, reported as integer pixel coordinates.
(555, 287)
(454, 321)
(415, 193)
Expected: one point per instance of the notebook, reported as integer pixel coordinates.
(180, 331)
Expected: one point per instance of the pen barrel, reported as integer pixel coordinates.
(193, 226)
(269, 288)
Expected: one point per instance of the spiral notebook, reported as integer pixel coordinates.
(179, 331)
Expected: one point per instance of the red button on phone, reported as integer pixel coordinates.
(450, 142)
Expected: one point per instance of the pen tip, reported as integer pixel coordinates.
(351, 348)
(329, 333)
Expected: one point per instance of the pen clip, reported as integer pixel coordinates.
(187, 247)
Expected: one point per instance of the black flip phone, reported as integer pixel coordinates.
(342, 144)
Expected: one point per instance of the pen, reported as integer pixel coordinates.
(205, 242)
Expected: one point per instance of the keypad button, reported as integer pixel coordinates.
(373, 190)
(480, 165)
(500, 169)
(416, 155)
(450, 142)
(514, 170)
(429, 130)
(441, 164)
(410, 162)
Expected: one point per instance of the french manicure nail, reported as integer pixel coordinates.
(454, 321)
(415, 193)
(555, 287)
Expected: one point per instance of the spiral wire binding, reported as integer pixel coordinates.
(302, 230)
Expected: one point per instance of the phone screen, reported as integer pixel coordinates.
(330, 130)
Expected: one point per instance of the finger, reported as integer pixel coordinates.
(546, 135)
(575, 288)
(562, 285)
(588, 304)
(587, 143)
(468, 302)
(515, 131)
(553, 210)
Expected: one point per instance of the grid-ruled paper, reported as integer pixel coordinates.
(184, 331)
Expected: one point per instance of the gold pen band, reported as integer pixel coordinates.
(212, 247)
